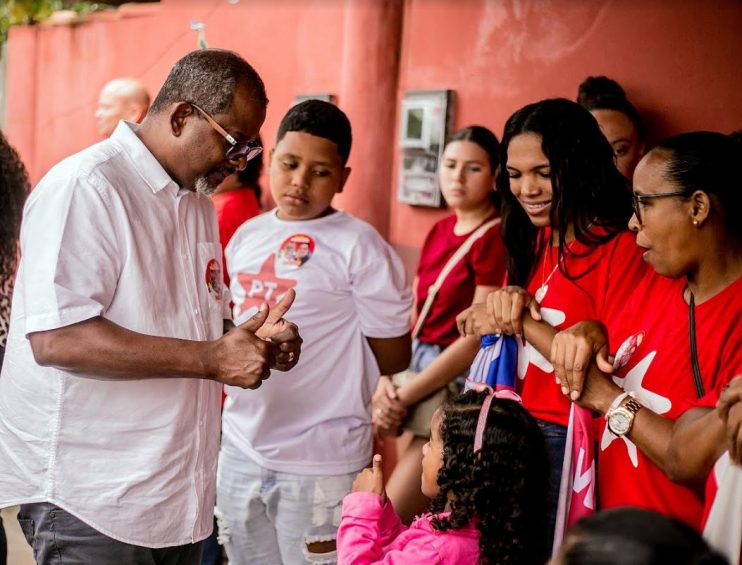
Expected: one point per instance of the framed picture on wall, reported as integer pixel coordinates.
(425, 121)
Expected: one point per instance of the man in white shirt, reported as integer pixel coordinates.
(110, 390)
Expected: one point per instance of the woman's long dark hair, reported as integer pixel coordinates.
(588, 191)
(503, 487)
(13, 190)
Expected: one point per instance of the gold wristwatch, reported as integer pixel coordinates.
(621, 419)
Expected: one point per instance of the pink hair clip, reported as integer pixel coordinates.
(505, 394)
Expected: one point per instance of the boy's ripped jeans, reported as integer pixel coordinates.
(271, 518)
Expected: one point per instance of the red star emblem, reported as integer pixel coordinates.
(263, 286)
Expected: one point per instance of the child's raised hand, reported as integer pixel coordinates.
(371, 480)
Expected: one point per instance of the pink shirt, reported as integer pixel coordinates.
(371, 532)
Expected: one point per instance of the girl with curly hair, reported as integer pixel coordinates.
(467, 179)
(485, 469)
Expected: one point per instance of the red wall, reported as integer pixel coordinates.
(677, 59)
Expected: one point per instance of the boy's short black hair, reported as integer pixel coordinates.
(322, 119)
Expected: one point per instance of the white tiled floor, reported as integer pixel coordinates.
(19, 552)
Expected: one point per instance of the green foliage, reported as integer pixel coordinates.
(29, 12)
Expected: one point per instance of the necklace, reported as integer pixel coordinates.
(542, 290)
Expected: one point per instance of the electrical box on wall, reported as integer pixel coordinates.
(425, 122)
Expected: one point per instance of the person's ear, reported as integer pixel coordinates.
(343, 179)
(700, 207)
(134, 113)
(140, 114)
(178, 117)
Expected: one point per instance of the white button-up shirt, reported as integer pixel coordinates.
(108, 233)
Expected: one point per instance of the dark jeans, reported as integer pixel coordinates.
(555, 438)
(58, 538)
(212, 554)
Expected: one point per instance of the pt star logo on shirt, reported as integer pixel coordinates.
(634, 381)
(527, 354)
(263, 286)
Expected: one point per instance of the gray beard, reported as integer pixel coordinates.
(202, 186)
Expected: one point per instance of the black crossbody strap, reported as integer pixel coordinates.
(693, 348)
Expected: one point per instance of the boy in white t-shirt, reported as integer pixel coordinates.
(291, 449)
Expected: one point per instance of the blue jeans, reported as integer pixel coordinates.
(555, 439)
(423, 354)
(58, 538)
(268, 517)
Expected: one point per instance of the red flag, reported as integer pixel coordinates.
(577, 490)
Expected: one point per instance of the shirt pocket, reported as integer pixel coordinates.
(211, 289)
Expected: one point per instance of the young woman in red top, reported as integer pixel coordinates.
(570, 258)
(466, 175)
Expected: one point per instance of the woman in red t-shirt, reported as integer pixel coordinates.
(466, 175)
(678, 342)
(570, 258)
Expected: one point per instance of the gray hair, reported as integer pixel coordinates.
(208, 78)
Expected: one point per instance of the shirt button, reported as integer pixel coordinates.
(195, 311)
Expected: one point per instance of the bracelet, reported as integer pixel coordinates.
(616, 403)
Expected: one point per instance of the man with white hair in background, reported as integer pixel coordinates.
(120, 99)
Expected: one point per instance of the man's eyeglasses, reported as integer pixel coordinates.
(238, 150)
(638, 199)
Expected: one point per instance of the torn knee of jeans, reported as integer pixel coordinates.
(320, 544)
(222, 528)
(321, 553)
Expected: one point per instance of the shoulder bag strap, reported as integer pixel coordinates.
(447, 268)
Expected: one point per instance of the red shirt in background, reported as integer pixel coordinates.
(611, 272)
(652, 348)
(233, 209)
(483, 265)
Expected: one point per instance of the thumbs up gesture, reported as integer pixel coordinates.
(241, 358)
(245, 355)
(371, 480)
(283, 335)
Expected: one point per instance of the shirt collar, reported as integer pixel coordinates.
(142, 159)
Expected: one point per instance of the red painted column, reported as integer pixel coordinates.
(368, 94)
